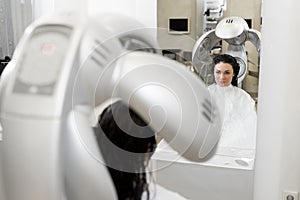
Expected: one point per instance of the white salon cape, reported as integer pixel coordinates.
(238, 109)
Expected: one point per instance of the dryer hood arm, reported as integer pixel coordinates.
(173, 100)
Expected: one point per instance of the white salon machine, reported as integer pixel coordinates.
(235, 32)
(63, 68)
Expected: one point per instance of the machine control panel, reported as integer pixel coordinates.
(41, 64)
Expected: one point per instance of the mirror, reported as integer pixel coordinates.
(227, 157)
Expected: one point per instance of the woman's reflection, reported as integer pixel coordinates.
(237, 106)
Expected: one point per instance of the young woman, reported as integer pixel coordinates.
(126, 144)
(237, 106)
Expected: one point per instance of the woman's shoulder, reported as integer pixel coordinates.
(242, 93)
(212, 87)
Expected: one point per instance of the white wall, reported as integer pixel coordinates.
(80, 6)
(48, 7)
(126, 7)
(142, 10)
(146, 12)
(278, 141)
(43, 8)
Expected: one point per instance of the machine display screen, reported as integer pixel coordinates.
(178, 25)
(41, 64)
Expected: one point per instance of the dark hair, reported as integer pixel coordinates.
(126, 156)
(226, 58)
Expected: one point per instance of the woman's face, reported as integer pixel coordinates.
(223, 74)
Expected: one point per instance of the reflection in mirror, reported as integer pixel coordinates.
(235, 154)
(233, 36)
(243, 43)
(250, 12)
(223, 68)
